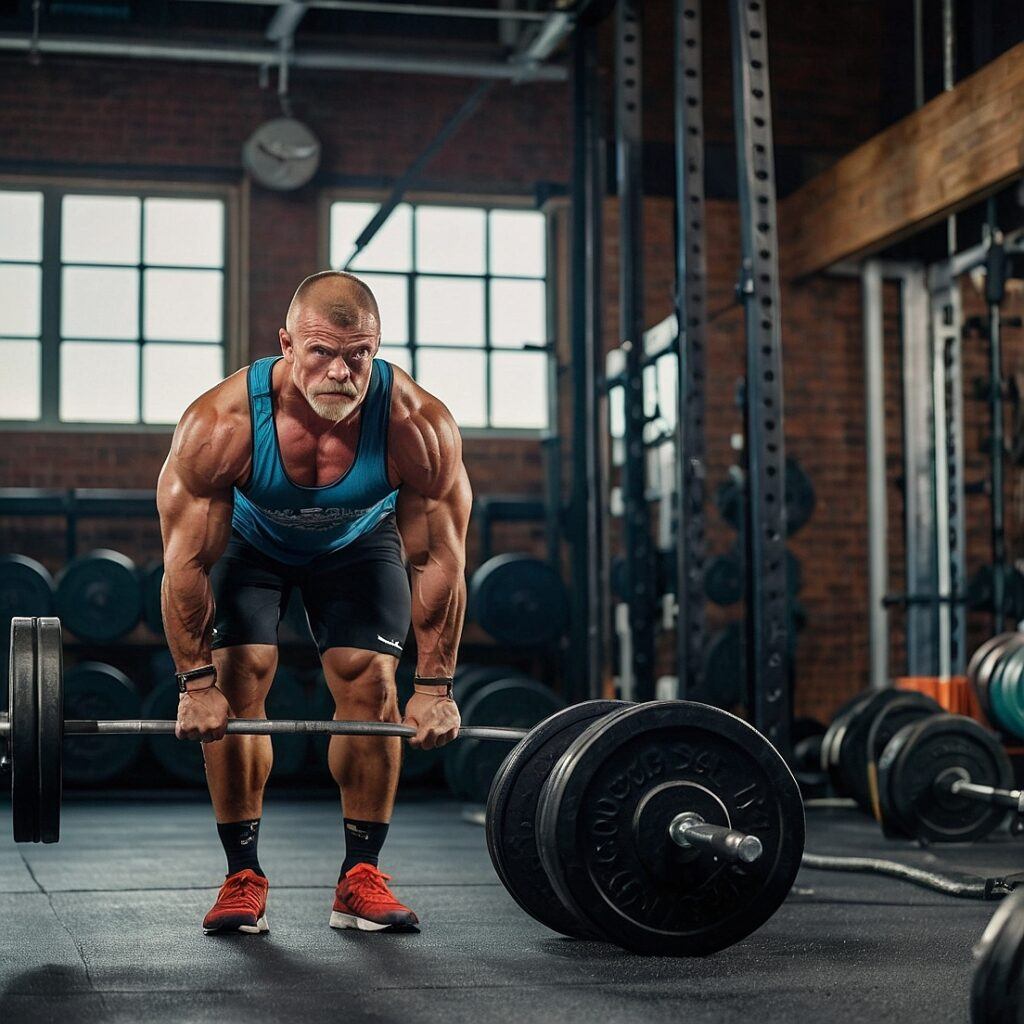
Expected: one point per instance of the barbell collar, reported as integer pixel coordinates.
(691, 830)
(1012, 798)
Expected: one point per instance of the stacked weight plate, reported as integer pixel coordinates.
(579, 814)
(996, 672)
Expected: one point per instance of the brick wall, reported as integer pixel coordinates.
(162, 121)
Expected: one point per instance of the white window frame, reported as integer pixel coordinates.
(235, 325)
(487, 201)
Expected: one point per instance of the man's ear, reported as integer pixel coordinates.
(287, 345)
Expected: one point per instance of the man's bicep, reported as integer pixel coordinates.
(432, 525)
(195, 516)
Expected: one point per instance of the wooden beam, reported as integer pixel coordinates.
(960, 147)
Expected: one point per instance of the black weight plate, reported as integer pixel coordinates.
(833, 740)
(97, 691)
(512, 812)
(852, 757)
(724, 677)
(909, 707)
(161, 667)
(996, 988)
(182, 759)
(469, 767)
(23, 738)
(518, 703)
(930, 748)
(152, 577)
(604, 815)
(729, 502)
(99, 597)
(50, 694)
(475, 677)
(521, 601)
(723, 579)
(807, 735)
(287, 700)
(26, 591)
(800, 499)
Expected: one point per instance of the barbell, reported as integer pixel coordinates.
(922, 773)
(667, 827)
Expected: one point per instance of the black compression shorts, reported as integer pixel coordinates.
(355, 597)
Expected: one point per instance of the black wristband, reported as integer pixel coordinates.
(433, 681)
(184, 678)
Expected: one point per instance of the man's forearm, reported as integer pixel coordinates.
(186, 600)
(438, 613)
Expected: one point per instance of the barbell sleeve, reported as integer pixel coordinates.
(690, 830)
(1012, 798)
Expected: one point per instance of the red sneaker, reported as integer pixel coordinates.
(363, 900)
(241, 905)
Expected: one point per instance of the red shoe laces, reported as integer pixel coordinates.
(370, 885)
(241, 891)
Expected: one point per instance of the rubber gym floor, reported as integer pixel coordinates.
(105, 927)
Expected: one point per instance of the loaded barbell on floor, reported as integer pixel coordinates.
(922, 772)
(669, 827)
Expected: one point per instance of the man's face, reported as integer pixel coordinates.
(331, 365)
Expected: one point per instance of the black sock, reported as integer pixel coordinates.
(239, 839)
(363, 840)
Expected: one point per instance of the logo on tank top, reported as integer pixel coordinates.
(313, 518)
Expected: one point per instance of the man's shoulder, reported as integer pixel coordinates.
(214, 434)
(413, 408)
(424, 444)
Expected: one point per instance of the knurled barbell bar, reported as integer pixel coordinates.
(668, 827)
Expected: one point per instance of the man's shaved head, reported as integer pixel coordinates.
(340, 298)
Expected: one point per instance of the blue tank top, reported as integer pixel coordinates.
(295, 524)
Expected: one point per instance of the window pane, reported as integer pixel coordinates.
(450, 239)
(99, 303)
(391, 248)
(174, 375)
(21, 225)
(449, 311)
(20, 300)
(519, 389)
(186, 232)
(399, 356)
(517, 243)
(99, 382)
(667, 367)
(649, 377)
(19, 380)
(184, 305)
(392, 295)
(457, 378)
(518, 316)
(100, 229)
(617, 411)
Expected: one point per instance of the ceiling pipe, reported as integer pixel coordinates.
(144, 49)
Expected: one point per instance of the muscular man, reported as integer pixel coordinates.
(311, 470)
